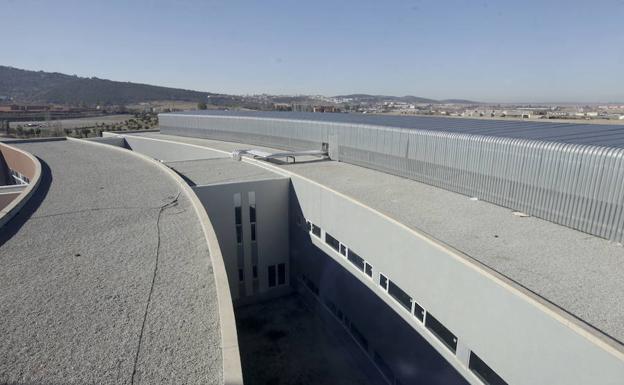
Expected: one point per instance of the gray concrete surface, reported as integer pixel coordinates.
(219, 170)
(105, 277)
(578, 272)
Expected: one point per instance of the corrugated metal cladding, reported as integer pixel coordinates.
(571, 174)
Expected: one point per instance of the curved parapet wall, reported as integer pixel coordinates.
(572, 184)
(15, 163)
(232, 370)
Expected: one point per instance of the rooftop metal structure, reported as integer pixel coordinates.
(570, 174)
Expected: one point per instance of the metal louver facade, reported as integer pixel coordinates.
(567, 175)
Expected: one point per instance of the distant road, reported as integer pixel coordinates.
(77, 123)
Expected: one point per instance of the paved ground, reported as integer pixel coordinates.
(284, 342)
(578, 272)
(105, 277)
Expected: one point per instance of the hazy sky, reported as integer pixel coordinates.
(482, 50)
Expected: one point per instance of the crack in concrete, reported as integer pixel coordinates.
(162, 208)
(96, 209)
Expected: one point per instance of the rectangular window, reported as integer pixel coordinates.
(383, 282)
(402, 297)
(281, 274)
(368, 269)
(238, 219)
(252, 206)
(241, 275)
(441, 332)
(237, 209)
(316, 230)
(332, 242)
(343, 250)
(356, 260)
(484, 372)
(255, 271)
(239, 234)
(419, 312)
(253, 232)
(238, 215)
(272, 281)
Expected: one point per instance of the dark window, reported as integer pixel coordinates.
(316, 230)
(239, 233)
(241, 275)
(402, 297)
(253, 232)
(484, 372)
(385, 369)
(332, 242)
(252, 213)
(356, 260)
(255, 271)
(272, 276)
(309, 225)
(343, 250)
(419, 312)
(369, 270)
(238, 215)
(281, 274)
(383, 282)
(441, 332)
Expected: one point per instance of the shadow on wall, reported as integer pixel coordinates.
(395, 347)
(16, 223)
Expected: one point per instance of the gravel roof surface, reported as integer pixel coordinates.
(220, 170)
(105, 276)
(576, 271)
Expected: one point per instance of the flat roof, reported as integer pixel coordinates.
(578, 272)
(105, 276)
(223, 169)
(609, 135)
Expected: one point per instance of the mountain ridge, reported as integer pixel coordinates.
(26, 86)
(40, 87)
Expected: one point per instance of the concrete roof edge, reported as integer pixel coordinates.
(14, 207)
(231, 362)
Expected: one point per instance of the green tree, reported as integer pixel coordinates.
(202, 106)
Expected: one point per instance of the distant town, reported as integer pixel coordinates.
(42, 104)
(370, 104)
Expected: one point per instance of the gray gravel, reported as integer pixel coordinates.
(77, 266)
(576, 271)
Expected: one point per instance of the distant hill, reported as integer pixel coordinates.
(39, 87)
(23, 86)
(365, 98)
